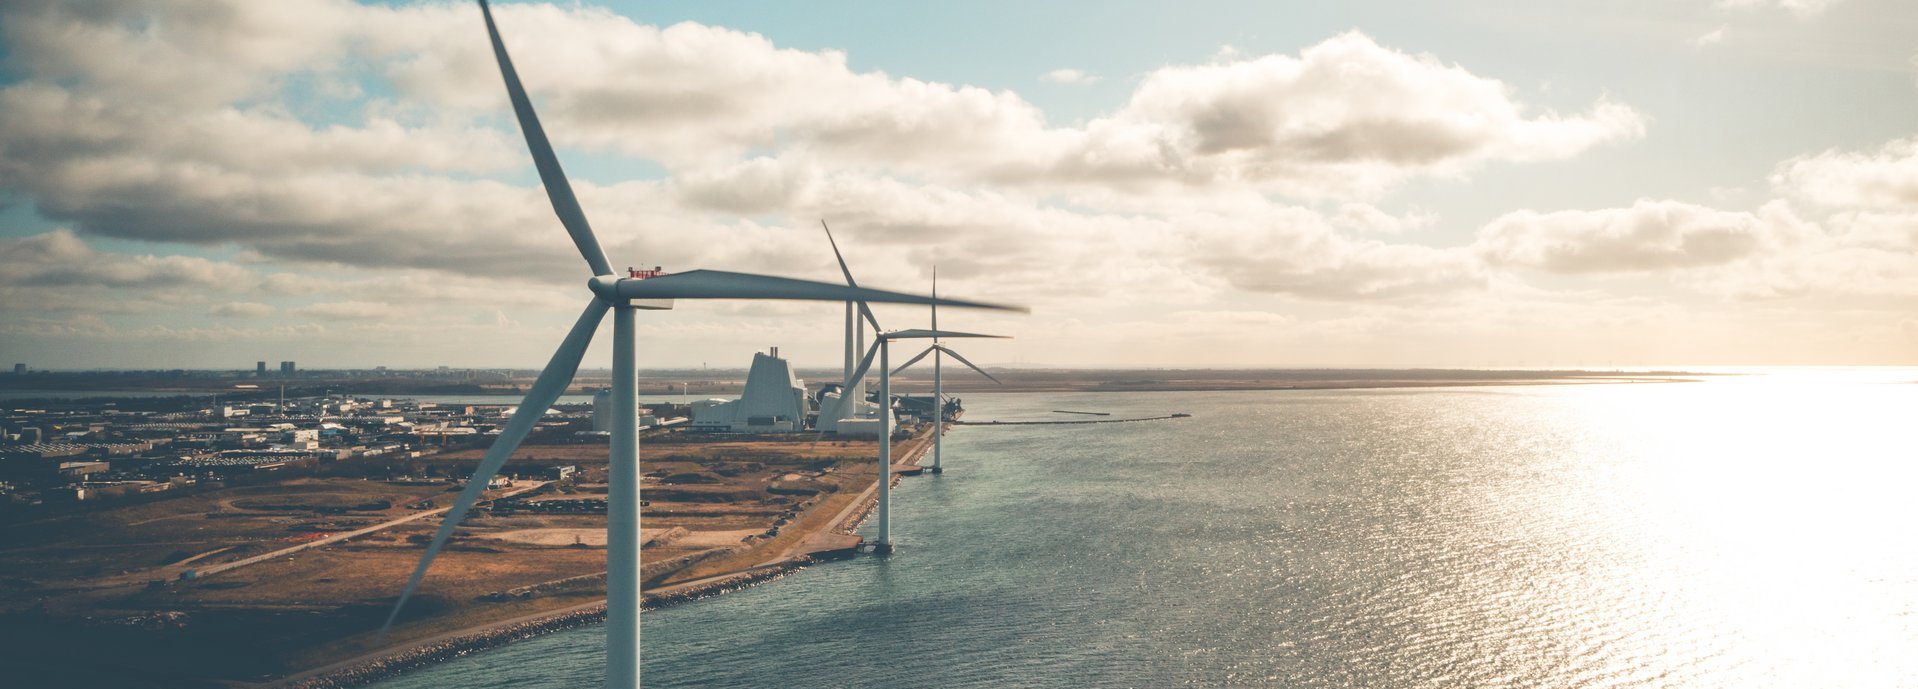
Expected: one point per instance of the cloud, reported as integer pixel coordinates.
(1648, 236)
(1890, 231)
(756, 186)
(61, 259)
(1770, 253)
(349, 311)
(1298, 252)
(1800, 8)
(1069, 76)
(284, 157)
(1710, 38)
(1359, 217)
(241, 309)
(1345, 117)
(1886, 178)
(361, 160)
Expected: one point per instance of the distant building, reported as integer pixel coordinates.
(259, 369)
(774, 401)
(286, 369)
(19, 369)
(603, 411)
(858, 417)
(858, 427)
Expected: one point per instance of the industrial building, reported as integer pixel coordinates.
(603, 414)
(603, 410)
(774, 401)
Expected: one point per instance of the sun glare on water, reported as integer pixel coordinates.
(1763, 520)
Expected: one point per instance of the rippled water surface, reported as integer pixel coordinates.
(1740, 533)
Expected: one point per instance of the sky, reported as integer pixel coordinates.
(1482, 184)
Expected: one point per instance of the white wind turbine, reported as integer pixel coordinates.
(881, 347)
(623, 296)
(938, 351)
(857, 316)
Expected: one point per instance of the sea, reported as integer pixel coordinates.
(1746, 531)
(508, 399)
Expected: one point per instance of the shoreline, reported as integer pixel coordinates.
(76, 386)
(373, 667)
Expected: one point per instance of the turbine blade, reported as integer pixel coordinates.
(914, 360)
(915, 333)
(864, 311)
(858, 374)
(968, 364)
(719, 284)
(551, 383)
(935, 295)
(565, 205)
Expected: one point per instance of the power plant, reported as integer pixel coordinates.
(774, 401)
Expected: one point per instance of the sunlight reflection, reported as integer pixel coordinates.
(1770, 519)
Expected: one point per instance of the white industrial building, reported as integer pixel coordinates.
(603, 413)
(774, 401)
(861, 419)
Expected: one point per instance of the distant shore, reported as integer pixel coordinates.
(730, 382)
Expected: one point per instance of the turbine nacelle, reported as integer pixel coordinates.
(606, 287)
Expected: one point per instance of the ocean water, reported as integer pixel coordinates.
(11, 395)
(1751, 532)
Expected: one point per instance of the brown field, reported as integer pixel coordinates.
(104, 587)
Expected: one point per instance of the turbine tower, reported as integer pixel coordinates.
(881, 348)
(623, 296)
(882, 340)
(938, 351)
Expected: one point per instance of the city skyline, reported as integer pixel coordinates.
(204, 185)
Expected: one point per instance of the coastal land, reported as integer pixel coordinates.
(286, 582)
(282, 577)
(730, 382)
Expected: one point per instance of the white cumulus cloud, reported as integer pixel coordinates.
(1799, 8)
(1068, 75)
(1886, 178)
(1648, 236)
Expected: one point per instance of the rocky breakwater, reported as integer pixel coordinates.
(444, 649)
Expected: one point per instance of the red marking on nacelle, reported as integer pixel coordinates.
(643, 274)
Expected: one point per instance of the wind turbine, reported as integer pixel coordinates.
(938, 351)
(857, 316)
(881, 346)
(623, 296)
